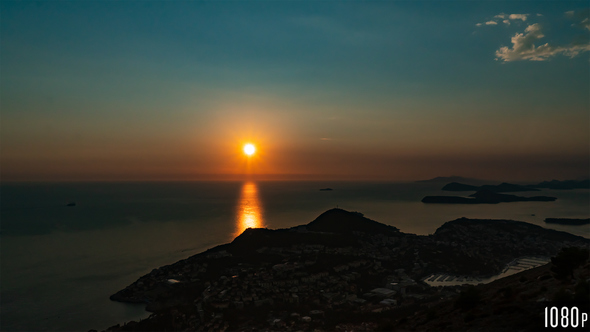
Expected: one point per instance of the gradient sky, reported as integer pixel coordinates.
(388, 90)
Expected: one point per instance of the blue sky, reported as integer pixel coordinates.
(356, 89)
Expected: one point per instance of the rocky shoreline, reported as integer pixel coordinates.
(341, 268)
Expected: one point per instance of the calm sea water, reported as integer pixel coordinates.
(60, 264)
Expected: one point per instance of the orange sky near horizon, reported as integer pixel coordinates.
(296, 145)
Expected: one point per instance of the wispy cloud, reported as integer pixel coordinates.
(522, 17)
(582, 18)
(523, 44)
(523, 47)
(505, 18)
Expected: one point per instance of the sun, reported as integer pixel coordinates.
(249, 149)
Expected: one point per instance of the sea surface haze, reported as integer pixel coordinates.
(60, 264)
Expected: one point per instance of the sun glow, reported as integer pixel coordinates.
(249, 149)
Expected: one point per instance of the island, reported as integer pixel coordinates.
(485, 196)
(342, 271)
(564, 185)
(453, 178)
(501, 188)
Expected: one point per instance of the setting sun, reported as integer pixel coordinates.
(249, 149)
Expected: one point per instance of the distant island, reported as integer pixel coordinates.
(564, 185)
(326, 189)
(489, 194)
(485, 196)
(454, 178)
(458, 183)
(503, 187)
(341, 271)
(567, 221)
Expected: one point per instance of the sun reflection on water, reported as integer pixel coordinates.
(249, 214)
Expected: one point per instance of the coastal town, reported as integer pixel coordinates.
(311, 278)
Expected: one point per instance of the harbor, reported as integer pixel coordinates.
(516, 266)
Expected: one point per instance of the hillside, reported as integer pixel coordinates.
(341, 268)
(514, 303)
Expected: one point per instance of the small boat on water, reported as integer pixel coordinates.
(71, 204)
(326, 189)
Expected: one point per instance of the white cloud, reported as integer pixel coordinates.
(523, 47)
(506, 19)
(522, 17)
(576, 49)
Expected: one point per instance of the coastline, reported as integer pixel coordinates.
(355, 246)
(96, 255)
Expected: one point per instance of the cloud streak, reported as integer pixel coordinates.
(505, 18)
(527, 45)
(522, 17)
(581, 16)
(523, 47)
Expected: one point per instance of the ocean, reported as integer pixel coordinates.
(59, 264)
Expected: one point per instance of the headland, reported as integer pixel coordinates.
(341, 271)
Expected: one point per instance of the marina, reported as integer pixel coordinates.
(516, 266)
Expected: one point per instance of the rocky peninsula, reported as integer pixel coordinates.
(341, 271)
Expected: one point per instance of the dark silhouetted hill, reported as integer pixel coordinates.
(253, 239)
(455, 231)
(341, 221)
(248, 284)
(514, 303)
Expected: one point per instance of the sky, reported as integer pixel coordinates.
(350, 90)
